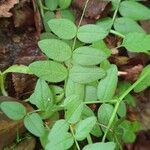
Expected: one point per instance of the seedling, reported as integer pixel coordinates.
(77, 75)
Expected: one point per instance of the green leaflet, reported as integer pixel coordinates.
(42, 96)
(85, 75)
(47, 16)
(59, 138)
(68, 14)
(82, 55)
(122, 110)
(90, 93)
(51, 4)
(13, 110)
(107, 86)
(87, 112)
(102, 46)
(34, 124)
(63, 4)
(136, 42)
(126, 25)
(55, 49)
(74, 107)
(84, 127)
(144, 83)
(47, 35)
(58, 93)
(100, 146)
(58, 130)
(60, 28)
(134, 10)
(105, 23)
(49, 70)
(104, 113)
(90, 33)
(63, 143)
(73, 88)
(18, 69)
(129, 130)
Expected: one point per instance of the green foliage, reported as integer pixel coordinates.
(126, 25)
(73, 88)
(89, 100)
(129, 130)
(107, 86)
(102, 46)
(82, 55)
(86, 74)
(122, 110)
(51, 4)
(62, 50)
(49, 70)
(60, 28)
(59, 137)
(42, 96)
(84, 127)
(105, 23)
(63, 4)
(90, 33)
(145, 83)
(18, 69)
(47, 16)
(73, 109)
(100, 145)
(104, 113)
(67, 14)
(13, 110)
(34, 124)
(134, 10)
(136, 42)
(91, 93)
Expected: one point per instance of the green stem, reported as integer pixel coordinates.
(89, 139)
(72, 132)
(117, 33)
(99, 102)
(41, 8)
(2, 85)
(111, 121)
(120, 100)
(116, 11)
(133, 86)
(80, 21)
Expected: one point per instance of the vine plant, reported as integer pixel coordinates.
(77, 76)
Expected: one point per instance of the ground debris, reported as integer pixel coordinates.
(6, 6)
(95, 8)
(9, 128)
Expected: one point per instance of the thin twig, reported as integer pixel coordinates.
(80, 21)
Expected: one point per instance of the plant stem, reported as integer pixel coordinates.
(111, 121)
(99, 102)
(2, 85)
(117, 33)
(116, 11)
(133, 86)
(120, 100)
(80, 21)
(89, 139)
(41, 8)
(77, 145)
